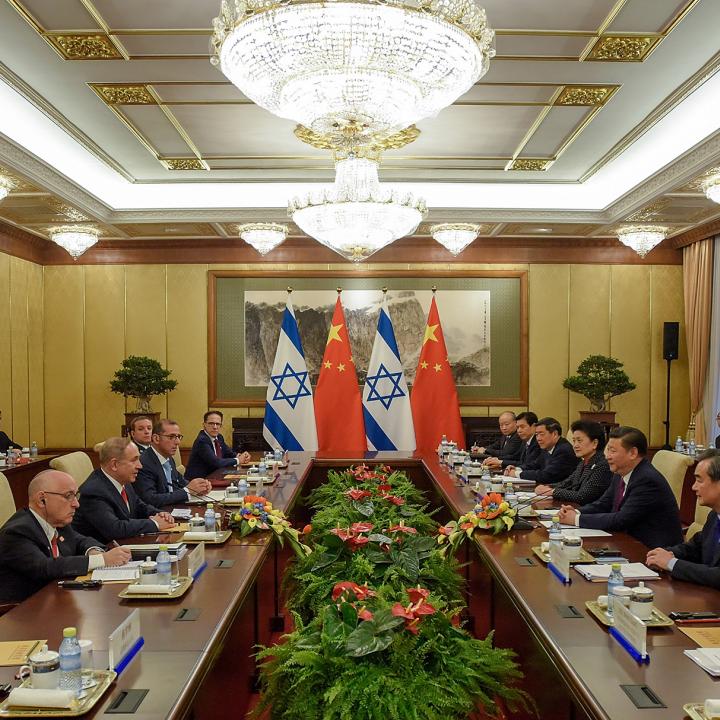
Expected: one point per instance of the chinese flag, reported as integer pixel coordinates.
(338, 408)
(434, 399)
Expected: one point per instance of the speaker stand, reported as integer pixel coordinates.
(666, 421)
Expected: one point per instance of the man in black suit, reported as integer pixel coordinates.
(209, 451)
(530, 455)
(109, 506)
(559, 458)
(141, 430)
(508, 446)
(638, 501)
(159, 483)
(6, 442)
(698, 559)
(38, 544)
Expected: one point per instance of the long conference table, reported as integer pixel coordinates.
(204, 668)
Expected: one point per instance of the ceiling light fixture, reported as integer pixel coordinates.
(642, 238)
(355, 70)
(711, 187)
(455, 237)
(357, 216)
(264, 237)
(75, 239)
(5, 187)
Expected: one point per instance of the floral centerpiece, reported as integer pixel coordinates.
(491, 513)
(257, 513)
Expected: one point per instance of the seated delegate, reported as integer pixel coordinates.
(531, 456)
(210, 451)
(698, 559)
(109, 507)
(38, 543)
(592, 475)
(638, 501)
(508, 446)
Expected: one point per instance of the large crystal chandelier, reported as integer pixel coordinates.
(264, 237)
(374, 66)
(356, 216)
(5, 187)
(711, 187)
(75, 239)
(641, 238)
(454, 237)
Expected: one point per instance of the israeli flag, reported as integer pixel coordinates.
(289, 409)
(386, 401)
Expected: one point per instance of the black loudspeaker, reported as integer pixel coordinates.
(671, 332)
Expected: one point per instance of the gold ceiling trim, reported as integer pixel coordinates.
(530, 164)
(86, 46)
(585, 95)
(124, 94)
(375, 146)
(622, 48)
(184, 163)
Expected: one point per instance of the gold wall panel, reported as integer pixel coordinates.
(36, 382)
(549, 292)
(589, 313)
(5, 357)
(19, 351)
(666, 305)
(630, 330)
(145, 319)
(64, 370)
(187, 348)
(104, 349)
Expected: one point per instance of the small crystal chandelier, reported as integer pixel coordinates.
(5, 187)
(455, 237)
(357, 216)
(374, 66)
(642, 238)
(264, 237)
(711, 187)
(76, 239)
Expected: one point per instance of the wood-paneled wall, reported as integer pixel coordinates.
(85, 318)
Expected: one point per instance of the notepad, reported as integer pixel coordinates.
(576, 531)
(15, 652)
(707, 658)
(630, 571)
(705, 637)
(181, 513)
(122, 573)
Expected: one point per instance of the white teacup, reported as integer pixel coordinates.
(44, 669)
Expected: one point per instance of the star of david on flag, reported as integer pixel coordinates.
(289, 412)
(386, 404)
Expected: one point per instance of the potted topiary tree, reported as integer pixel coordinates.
(599, 378)
(142, 377)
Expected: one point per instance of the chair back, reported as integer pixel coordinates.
(178, 462)
(98, 446)
(77, 464)
(7, 501)
(701, 513)
(672, 466)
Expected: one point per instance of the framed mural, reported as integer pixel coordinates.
(483, 316)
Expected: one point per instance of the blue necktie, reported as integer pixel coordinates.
(168, 474)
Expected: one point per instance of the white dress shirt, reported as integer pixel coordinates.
(119, 487)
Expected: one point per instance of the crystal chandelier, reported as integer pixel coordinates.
(641, 238)
(357, 216)
(362, 68)
(264, 237)
(5, 187)
(75, 239)
(711, 187)
(455, 237)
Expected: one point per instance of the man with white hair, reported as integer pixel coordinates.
(38, 544)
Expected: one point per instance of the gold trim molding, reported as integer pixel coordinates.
(529, 164)
(184, 164)
(94, 46)
(120, 94)
(585, 95)
(622, 48)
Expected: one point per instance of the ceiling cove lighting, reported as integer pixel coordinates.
(5, 187)
(264, 237)
(642, 238)
(75, 239)
(455, 237)
(711, 187)
(357, 215)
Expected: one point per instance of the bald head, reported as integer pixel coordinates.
(48, 480)
(51, 495)
(507, 422)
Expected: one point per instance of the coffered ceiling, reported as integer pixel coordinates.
(119, 120)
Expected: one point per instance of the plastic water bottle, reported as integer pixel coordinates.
(70, 662)
(679, 444)
(615, 580)
(11, 457)
(555, 527)
(164, 566)
(209, 518)
(556, 539)
(242, 487)
(692, 448)
(33, 449)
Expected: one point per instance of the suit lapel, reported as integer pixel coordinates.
(116, 497)
(711, 551)
(39, 535)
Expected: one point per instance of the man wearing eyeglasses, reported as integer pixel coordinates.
(209, 451)
(38, 544)
(159, 483)
(109, 506)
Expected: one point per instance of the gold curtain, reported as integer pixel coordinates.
(697, 288)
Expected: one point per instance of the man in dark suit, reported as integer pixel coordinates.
(38, 544)
(159, 483)
(559, 458)
(638, 501)
(508, 446)
(209, 451)
(6, 442)
(109, 506)
(530, 455)
(698, 559)
(141, 430)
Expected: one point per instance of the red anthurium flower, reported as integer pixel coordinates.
(361, 592)
(417, 594)
(445, 530)
(455, 620)
(384, 488)
(399, 611)
(364, 614)
(360, 527)
(343, 534)
(394, 499)
(357, 494)
(402, 529)
(424, 608)
(357, 542)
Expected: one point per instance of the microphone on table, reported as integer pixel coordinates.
(521, 523)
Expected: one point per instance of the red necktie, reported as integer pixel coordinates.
(619, 493)
(53, 546)
(218, 449)
(123, 495)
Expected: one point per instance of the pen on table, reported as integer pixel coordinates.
(114, 543)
